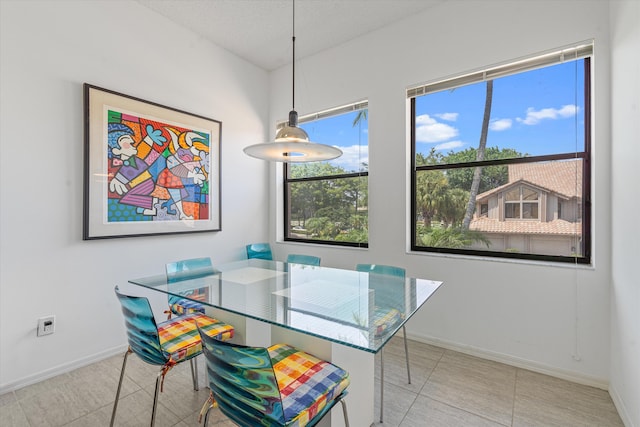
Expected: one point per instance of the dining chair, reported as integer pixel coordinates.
(192, 268)
(304, 259)
(164, 344)
(276, 386)
(260, 251)
(387, 317)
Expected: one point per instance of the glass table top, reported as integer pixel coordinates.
(361, 310)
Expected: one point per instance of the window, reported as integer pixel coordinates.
(327, 202)
(501, 160)
(521, 203)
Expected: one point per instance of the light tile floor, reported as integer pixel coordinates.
(447, 389)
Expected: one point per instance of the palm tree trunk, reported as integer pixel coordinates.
(477, 173)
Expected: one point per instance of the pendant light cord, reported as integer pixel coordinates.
(293, 41)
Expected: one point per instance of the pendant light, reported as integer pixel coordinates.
(292, 144)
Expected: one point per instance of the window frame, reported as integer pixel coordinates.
(356, 106)
(584, 155)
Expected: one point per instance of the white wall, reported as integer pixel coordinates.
(518, 312)
(49, 49)
(625, 130)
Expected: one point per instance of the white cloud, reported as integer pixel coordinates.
(352, 157)
(535, 116)
(429, 129)
(449, 145)
(500, 124)
(450, 117)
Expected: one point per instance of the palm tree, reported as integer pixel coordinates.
(362, 115)
(431, 193)
(475, 184)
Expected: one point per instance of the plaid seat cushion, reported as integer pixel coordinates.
(180, 338)
(185, 306)
(385, 318)
(306, 383)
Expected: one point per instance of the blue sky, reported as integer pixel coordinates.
(536, 112)
(340, 132)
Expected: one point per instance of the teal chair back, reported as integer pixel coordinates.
(260, 251)
(189, 269)
(192, 268)
(386, 281)
(386, 295)
(243, 383)
(304, 259)
(388, 270)
(142, 330)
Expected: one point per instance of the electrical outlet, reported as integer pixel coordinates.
(46, 325)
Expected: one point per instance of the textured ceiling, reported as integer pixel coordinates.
(260, 30)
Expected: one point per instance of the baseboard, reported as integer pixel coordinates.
(621, 407)
(517, 362)
(61, 369)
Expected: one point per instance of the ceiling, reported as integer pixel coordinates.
(260, 30)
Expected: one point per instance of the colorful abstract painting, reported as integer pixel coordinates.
(157, 166)
(157, 172)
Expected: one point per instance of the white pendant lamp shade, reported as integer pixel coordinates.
(292, 144)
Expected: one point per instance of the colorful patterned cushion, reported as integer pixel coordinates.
(185, 306)
(306, 383)
(385, 318)
(179, 337)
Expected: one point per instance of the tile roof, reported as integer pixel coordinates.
(556, 227)
(561, 177)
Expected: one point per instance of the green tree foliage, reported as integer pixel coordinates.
(431, 190)
(442, 195)
(452, 209)
(452, 237)
(492, 176)
(319, 227)
(354, 236)
(360, 117)
(433, 158)
(329, 209)
(436, 199)
(312, 169)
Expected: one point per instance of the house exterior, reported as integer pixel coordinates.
(536, 211)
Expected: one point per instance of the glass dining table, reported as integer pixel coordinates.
(330, 312)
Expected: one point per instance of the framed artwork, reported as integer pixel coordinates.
(148, 169)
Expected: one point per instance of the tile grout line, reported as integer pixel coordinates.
(513, 405)
(458, 408)
(467, 411)
(21, 408)
(417, 394)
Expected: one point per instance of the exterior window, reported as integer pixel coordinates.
(559, 215)
(327, 202)
(500, 160)
(521, 203)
